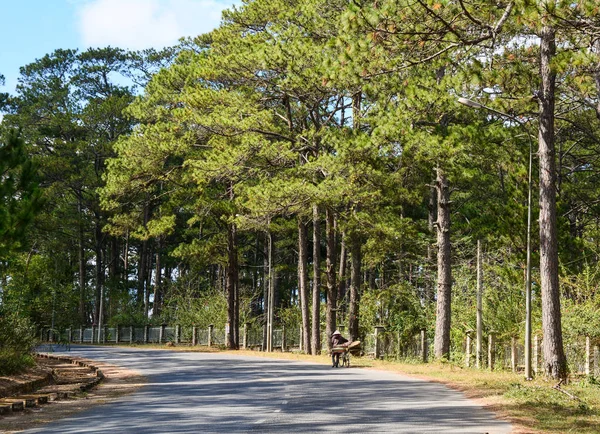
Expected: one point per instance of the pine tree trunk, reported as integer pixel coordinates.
(555, 364)
(430, 284)
(148, 285)
(99, 275)
(355, 280)
(158, 283)
(265, 282)
(331, 318)
(232, 275)
(82, 265)
(342, 271)
(316, 293)
(126, 262)
(141, 275)
(303, 283)
(442, 323)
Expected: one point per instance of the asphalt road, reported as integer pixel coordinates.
(219, 393)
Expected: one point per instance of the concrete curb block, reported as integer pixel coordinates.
(15, 403)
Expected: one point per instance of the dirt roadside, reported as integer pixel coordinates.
(117, 382)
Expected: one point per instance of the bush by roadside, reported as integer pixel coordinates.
(17, 340)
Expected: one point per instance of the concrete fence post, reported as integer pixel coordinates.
(210, 334)
(491, 351)
(536, 354)
(161, 333)
(117, 334)
(301, 338)
(131, 334)
(588, 355)
(283, 339)
(245, 337)
(193, 336)
(468, 351)
(177, 333)
(424, 346)
(70, 334)
(513, 353)
(146, 333)
(596, 357)
(378, 331)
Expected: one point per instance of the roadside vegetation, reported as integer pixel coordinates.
(17, 341)
(315, 165)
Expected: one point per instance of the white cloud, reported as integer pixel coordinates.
(139, 24)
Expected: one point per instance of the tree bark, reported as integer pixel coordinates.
(342, 270)
(331, 317)
(555, 363)
(444, 274)
(355, 280)
(148, 285)
(265, 284)
(142, 270)
(316, 293)
(232, 275)
(271, 286)
(126, 262)
(158, 284)
(99, 274)
(303, 283)
(430, 283)
(82, 265)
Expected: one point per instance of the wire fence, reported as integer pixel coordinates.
(583, 354)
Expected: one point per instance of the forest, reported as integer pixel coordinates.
(317, 165)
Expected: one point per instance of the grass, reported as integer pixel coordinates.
(532, 406)
(14, 362)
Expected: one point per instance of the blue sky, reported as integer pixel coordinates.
(32, 28)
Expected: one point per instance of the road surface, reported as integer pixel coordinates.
(222, 393)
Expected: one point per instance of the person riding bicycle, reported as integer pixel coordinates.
(337, 340)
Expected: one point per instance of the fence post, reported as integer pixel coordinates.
(210, 334)
(596, 356)
(70, 334)
(283, 339)
(468, 350)
(588, 355)
(193, 336)
(130, 334)
(424, 346)
(104, 334)
(245, 338)
(161, 333)
(491, 351)
(536, 354)
(513, 353)
(378, 330)
(177, 333)
(301, 338)
(117, 333)
(93, 332)
(146, 333)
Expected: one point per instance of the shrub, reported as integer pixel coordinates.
(17, 340)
